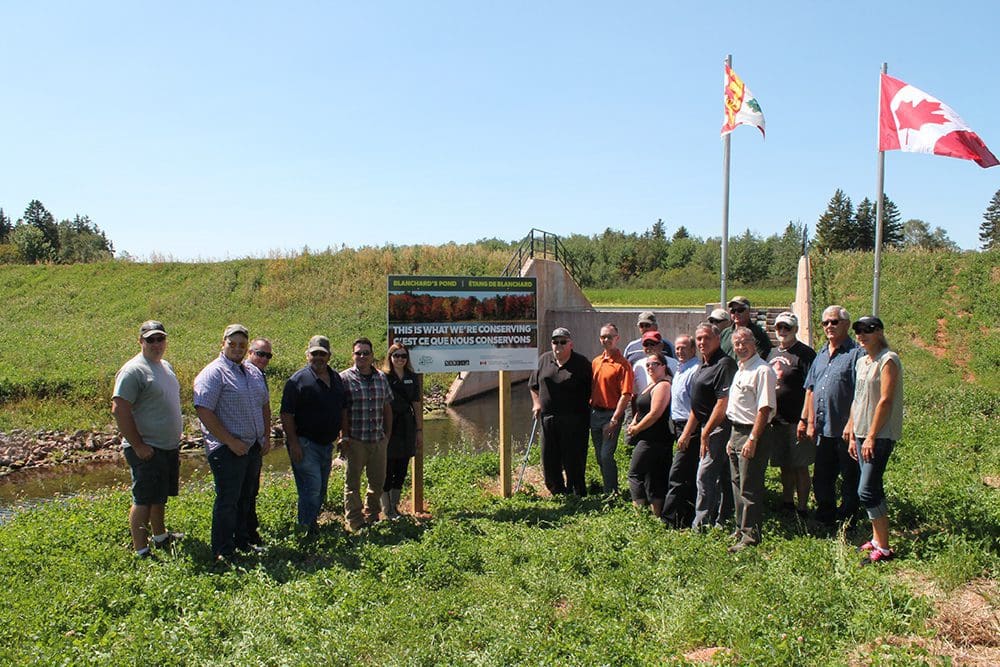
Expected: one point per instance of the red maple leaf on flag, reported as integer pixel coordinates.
(913, 117)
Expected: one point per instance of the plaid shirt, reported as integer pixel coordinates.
(369, 394)
(237, 394)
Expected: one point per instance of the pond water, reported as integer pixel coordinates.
(470, 427)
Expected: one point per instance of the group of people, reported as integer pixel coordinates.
(730, 402)
(733, 405)
(373, 417)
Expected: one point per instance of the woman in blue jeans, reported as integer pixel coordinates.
(876, 423)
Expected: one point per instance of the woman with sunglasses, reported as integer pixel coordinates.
(650, 435)
(407, 435)
(875, 425)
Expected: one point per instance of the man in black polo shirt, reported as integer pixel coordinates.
(560, 396)
(707, 422)
(313, 408)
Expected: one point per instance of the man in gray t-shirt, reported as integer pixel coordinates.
(146, 405)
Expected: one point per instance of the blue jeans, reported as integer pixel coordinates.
(236, 482)
(871, 493)
(312, 474)
(604, 448)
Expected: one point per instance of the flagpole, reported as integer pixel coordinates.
(725, 208)
(880, 203)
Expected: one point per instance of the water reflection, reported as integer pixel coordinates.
(471, 427)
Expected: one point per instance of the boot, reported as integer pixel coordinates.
(394, 503)
(386, 505)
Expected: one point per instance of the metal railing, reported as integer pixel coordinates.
(543, 245)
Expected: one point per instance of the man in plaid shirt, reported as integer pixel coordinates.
(366, 435)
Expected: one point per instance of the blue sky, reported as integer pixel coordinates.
(223, 130)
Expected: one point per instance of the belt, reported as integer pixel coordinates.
(742, 427)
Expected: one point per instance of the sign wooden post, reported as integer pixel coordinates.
(505, 444)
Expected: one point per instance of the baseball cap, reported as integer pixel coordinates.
(867, 324)
(739, 301)
(646, 317)
(652, 335)
(150, 327)
(562, 332)
(718, 315)
(318, 344)
(235, 329)
(787, 318)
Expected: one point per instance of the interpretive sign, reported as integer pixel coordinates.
(465, 323)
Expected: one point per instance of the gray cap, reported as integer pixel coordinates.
(150, 327)
(646, 317)
(788, 318)
(318, 344)
(562, 332)
(718, 315)
(235, 329)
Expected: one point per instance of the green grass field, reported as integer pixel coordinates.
(696, 298)
(528, 580)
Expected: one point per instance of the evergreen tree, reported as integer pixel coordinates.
(785, 252)
(864, 226)
(5, 227)
(39, 217)
(681, 233)
(835, 228)
(892, 224)
(659, 230)
(989, 230)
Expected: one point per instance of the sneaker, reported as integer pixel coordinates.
(168, 541)
(877, 556)
(866, 547)
(144, 554)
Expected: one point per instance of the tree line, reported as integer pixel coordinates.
(37, 238)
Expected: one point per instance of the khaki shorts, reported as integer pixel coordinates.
(787, 450)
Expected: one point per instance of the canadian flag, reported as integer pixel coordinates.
(913, 121)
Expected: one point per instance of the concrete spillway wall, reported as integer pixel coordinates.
(561, 303)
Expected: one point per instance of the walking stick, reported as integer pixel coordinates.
(527, 451)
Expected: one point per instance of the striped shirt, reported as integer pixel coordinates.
(237, 394)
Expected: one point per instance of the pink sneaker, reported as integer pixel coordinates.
(878, 556)
(867, 546)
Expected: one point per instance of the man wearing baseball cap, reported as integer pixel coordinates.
(791, 362)
(146, 404)
(560, 398)
(646, 323)
(739, 312)
(232, 399)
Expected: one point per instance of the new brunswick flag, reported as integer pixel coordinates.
(741, 106)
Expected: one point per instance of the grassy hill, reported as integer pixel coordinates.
(490, 581)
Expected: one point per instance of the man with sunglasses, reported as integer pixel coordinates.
(259, 356)
(646, 323)
(829, 392)
(314, 405)
(146, 405)
(739, 311)
(365, 435)
(611, 391)
(560, 396)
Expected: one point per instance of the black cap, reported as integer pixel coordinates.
(868, 324)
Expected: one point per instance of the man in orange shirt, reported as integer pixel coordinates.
(611, 391)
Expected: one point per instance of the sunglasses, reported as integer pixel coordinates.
(315, 353)
(865, 328)
(738, 310)
(831, 323)
(264, 355)
(363, 353)
(651, 343)
(645, 325)
(653, 364)
(782, 327)
(607, 337)
(400, 355)
(155, 339)
(561, 341)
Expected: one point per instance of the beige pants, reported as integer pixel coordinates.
(370, 457)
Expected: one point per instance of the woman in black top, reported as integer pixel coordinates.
(407, 425)
(650, 433)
